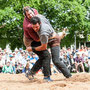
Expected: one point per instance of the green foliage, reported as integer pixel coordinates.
(72, 14)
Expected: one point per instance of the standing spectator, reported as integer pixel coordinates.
(5, 56)
(82, 49)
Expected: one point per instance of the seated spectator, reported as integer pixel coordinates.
(72, 63)
(12, 62)
(30, 64)
(33, 59)
(87, 65)
(19, 68)
(23, 59)
(61, 54)
(2, 63)
(7, 68)
(73, 52)
(68, 52)
(79, 63)
(26, 69)
(84, 56)
(88, 53)
(66, 62)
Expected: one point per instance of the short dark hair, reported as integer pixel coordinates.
(27, 8)
(34, 20)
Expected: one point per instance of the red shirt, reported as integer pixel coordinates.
(28, 30)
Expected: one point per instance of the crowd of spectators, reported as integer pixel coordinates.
(76, 60)
(20, 61)
(17, 61)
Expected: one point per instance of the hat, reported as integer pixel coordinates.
(10, 55)
(20, 49)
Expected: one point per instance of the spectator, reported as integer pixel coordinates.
(33, 58)
(68, 52)
(61, 54)
(26, 69)
(88, 53)
(2, 63)
(7, 68)
(73, 52)
(66, 62)
(12, 62)
(30, 64)
(84, 56)
(72, 63)
(79, 63)
(87, 65)
(19, 68)
(82, 48)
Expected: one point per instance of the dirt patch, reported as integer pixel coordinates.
(80, 81)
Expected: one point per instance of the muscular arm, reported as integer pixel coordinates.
(39, 48)
(43, 46)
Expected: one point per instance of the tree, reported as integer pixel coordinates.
(67, 13)
(61, 13)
